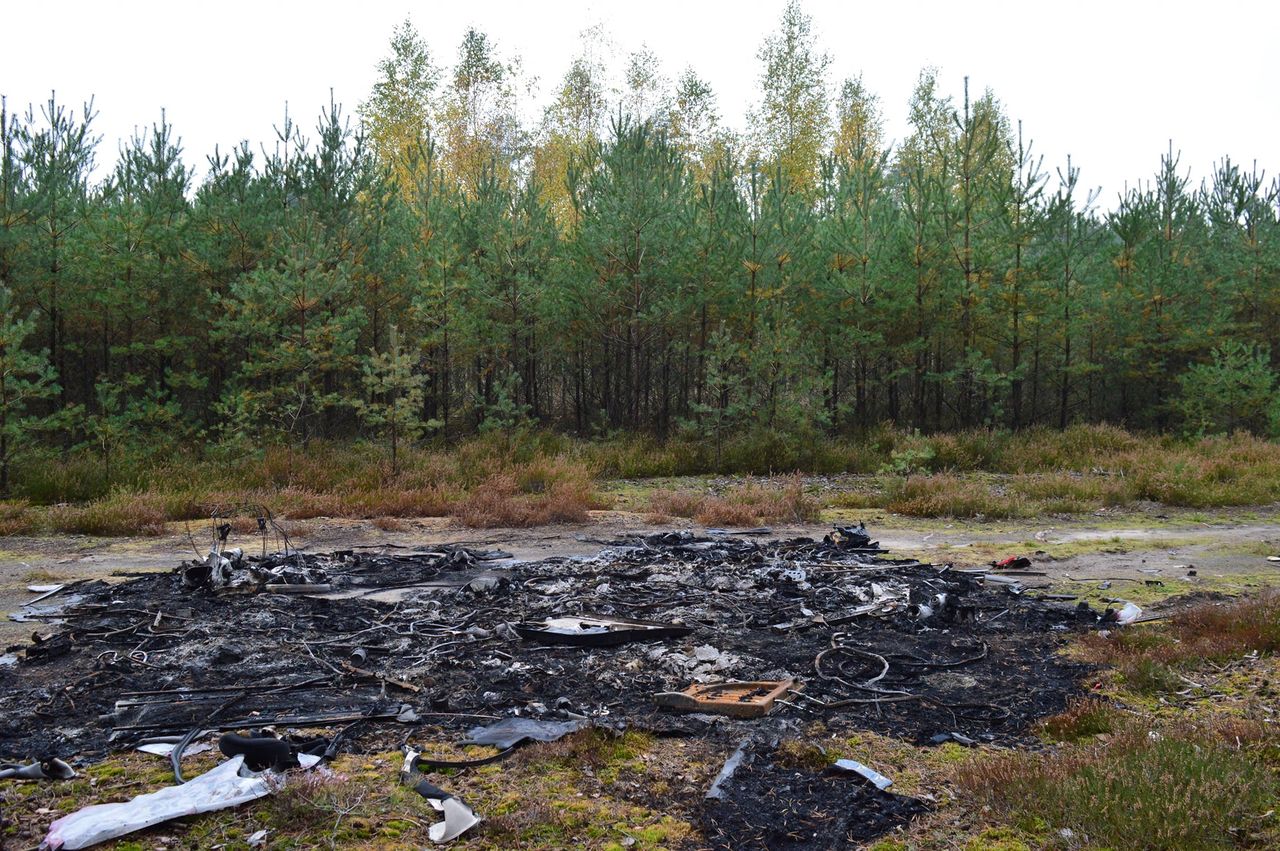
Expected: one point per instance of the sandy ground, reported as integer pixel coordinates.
(1227, 551)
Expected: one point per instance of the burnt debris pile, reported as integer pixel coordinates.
(896, 646)
(675, 633)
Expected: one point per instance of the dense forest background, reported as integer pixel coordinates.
(438, 265)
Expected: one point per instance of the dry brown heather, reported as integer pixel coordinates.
(743, 505)
(540, 478)
(1150, 660)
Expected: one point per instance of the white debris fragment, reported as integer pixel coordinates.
(877, 779)
(228, 785)
(1128, 614)
(166, 748)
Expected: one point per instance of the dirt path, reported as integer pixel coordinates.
(1226, 552)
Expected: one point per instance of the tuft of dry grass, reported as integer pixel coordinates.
(668, 503)
(1083, 717)
(1075, 492)
(729, 511)
(1078, 448)
(591, 748)
(17, 518)
(1218, 631)
(531, 495)
(1212, 631)
(749, 504)
(119, 514)
(945, 495)
(802, 756)
(305, 504)
(404, 501)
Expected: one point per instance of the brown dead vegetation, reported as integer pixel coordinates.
(1151, 657)
(749, 504)
(119, 514)
(15, 518)
(1083, 717)
(530, 495)
(981, 473)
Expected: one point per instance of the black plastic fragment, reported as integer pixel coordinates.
(430, 791)
(260, 753)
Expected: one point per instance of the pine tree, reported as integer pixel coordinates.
(1242, 260)
(1072, 237)
(436, 264)
(861, 303)
(26, 379)
(1235, 389)
(394, 402)
(57, 157)
(725, 407)
(507, 236)
(715, 264)
(299, 317)
(1021, 206)
(13, 194)
(236, 221)
(972, 209)
(144, 341)
(925, 178)
(623, 260)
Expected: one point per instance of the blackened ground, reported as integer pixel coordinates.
(150, 656)
(766, 806)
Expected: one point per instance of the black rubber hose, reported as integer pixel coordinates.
(428, 790)
(427, 762)
(175, 755)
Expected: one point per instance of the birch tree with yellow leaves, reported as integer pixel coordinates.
(790, 125)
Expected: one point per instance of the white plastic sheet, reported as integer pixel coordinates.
(1128, 614)
(166, 748)
(228, 785)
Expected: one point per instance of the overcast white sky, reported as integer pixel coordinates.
(1108, 82)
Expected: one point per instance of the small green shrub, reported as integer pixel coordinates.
(908, 461)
